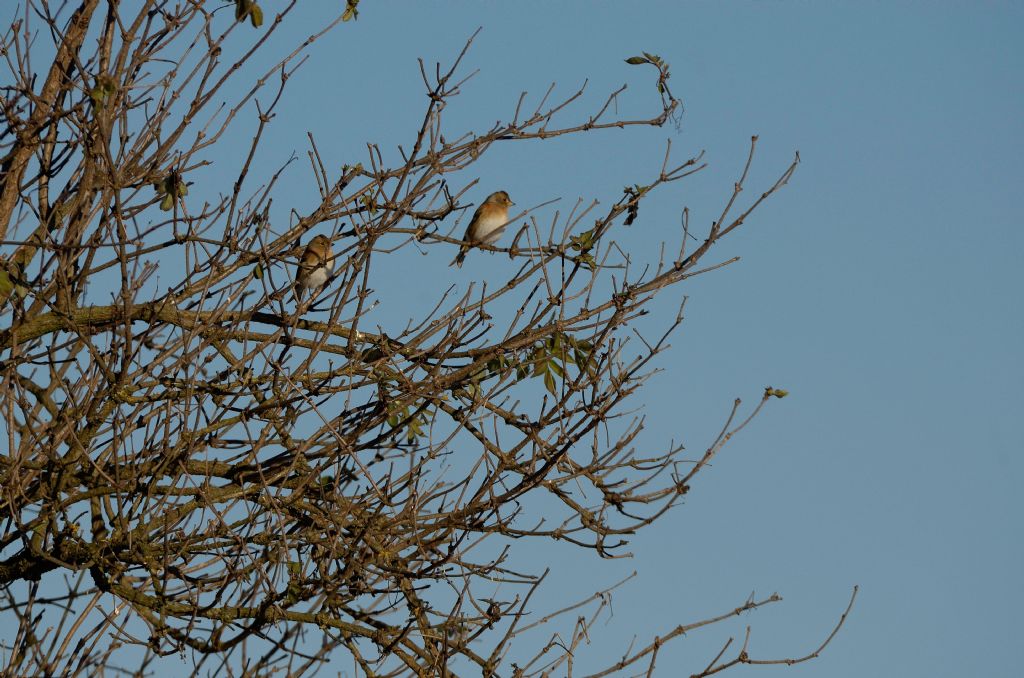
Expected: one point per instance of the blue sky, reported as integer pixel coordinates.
(880, 287)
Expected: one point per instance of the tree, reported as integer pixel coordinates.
(201, 465)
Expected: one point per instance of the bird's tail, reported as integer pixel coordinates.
(460, 257)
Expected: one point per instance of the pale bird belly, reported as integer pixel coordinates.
(490, 229)
(316, 278)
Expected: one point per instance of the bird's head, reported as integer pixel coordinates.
(500, 199)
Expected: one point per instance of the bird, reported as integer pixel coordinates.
(487, 224)
(315, 266)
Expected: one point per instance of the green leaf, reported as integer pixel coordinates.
(167, 204)
(584, 241)
(369, 203)
(294, 590)
(636, 61)
(549, 384)
(257, 272)
(6, 286)
(415, 430)
(106, 86)
(242, 8)
(396, 415)
(496, 365)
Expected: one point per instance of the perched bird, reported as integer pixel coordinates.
(315, 266)
(487, 224)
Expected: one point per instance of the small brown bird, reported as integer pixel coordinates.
(315, 266)
(487, 225)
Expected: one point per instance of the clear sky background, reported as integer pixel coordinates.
(881, 287)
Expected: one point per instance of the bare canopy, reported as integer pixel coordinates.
(200, 465)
